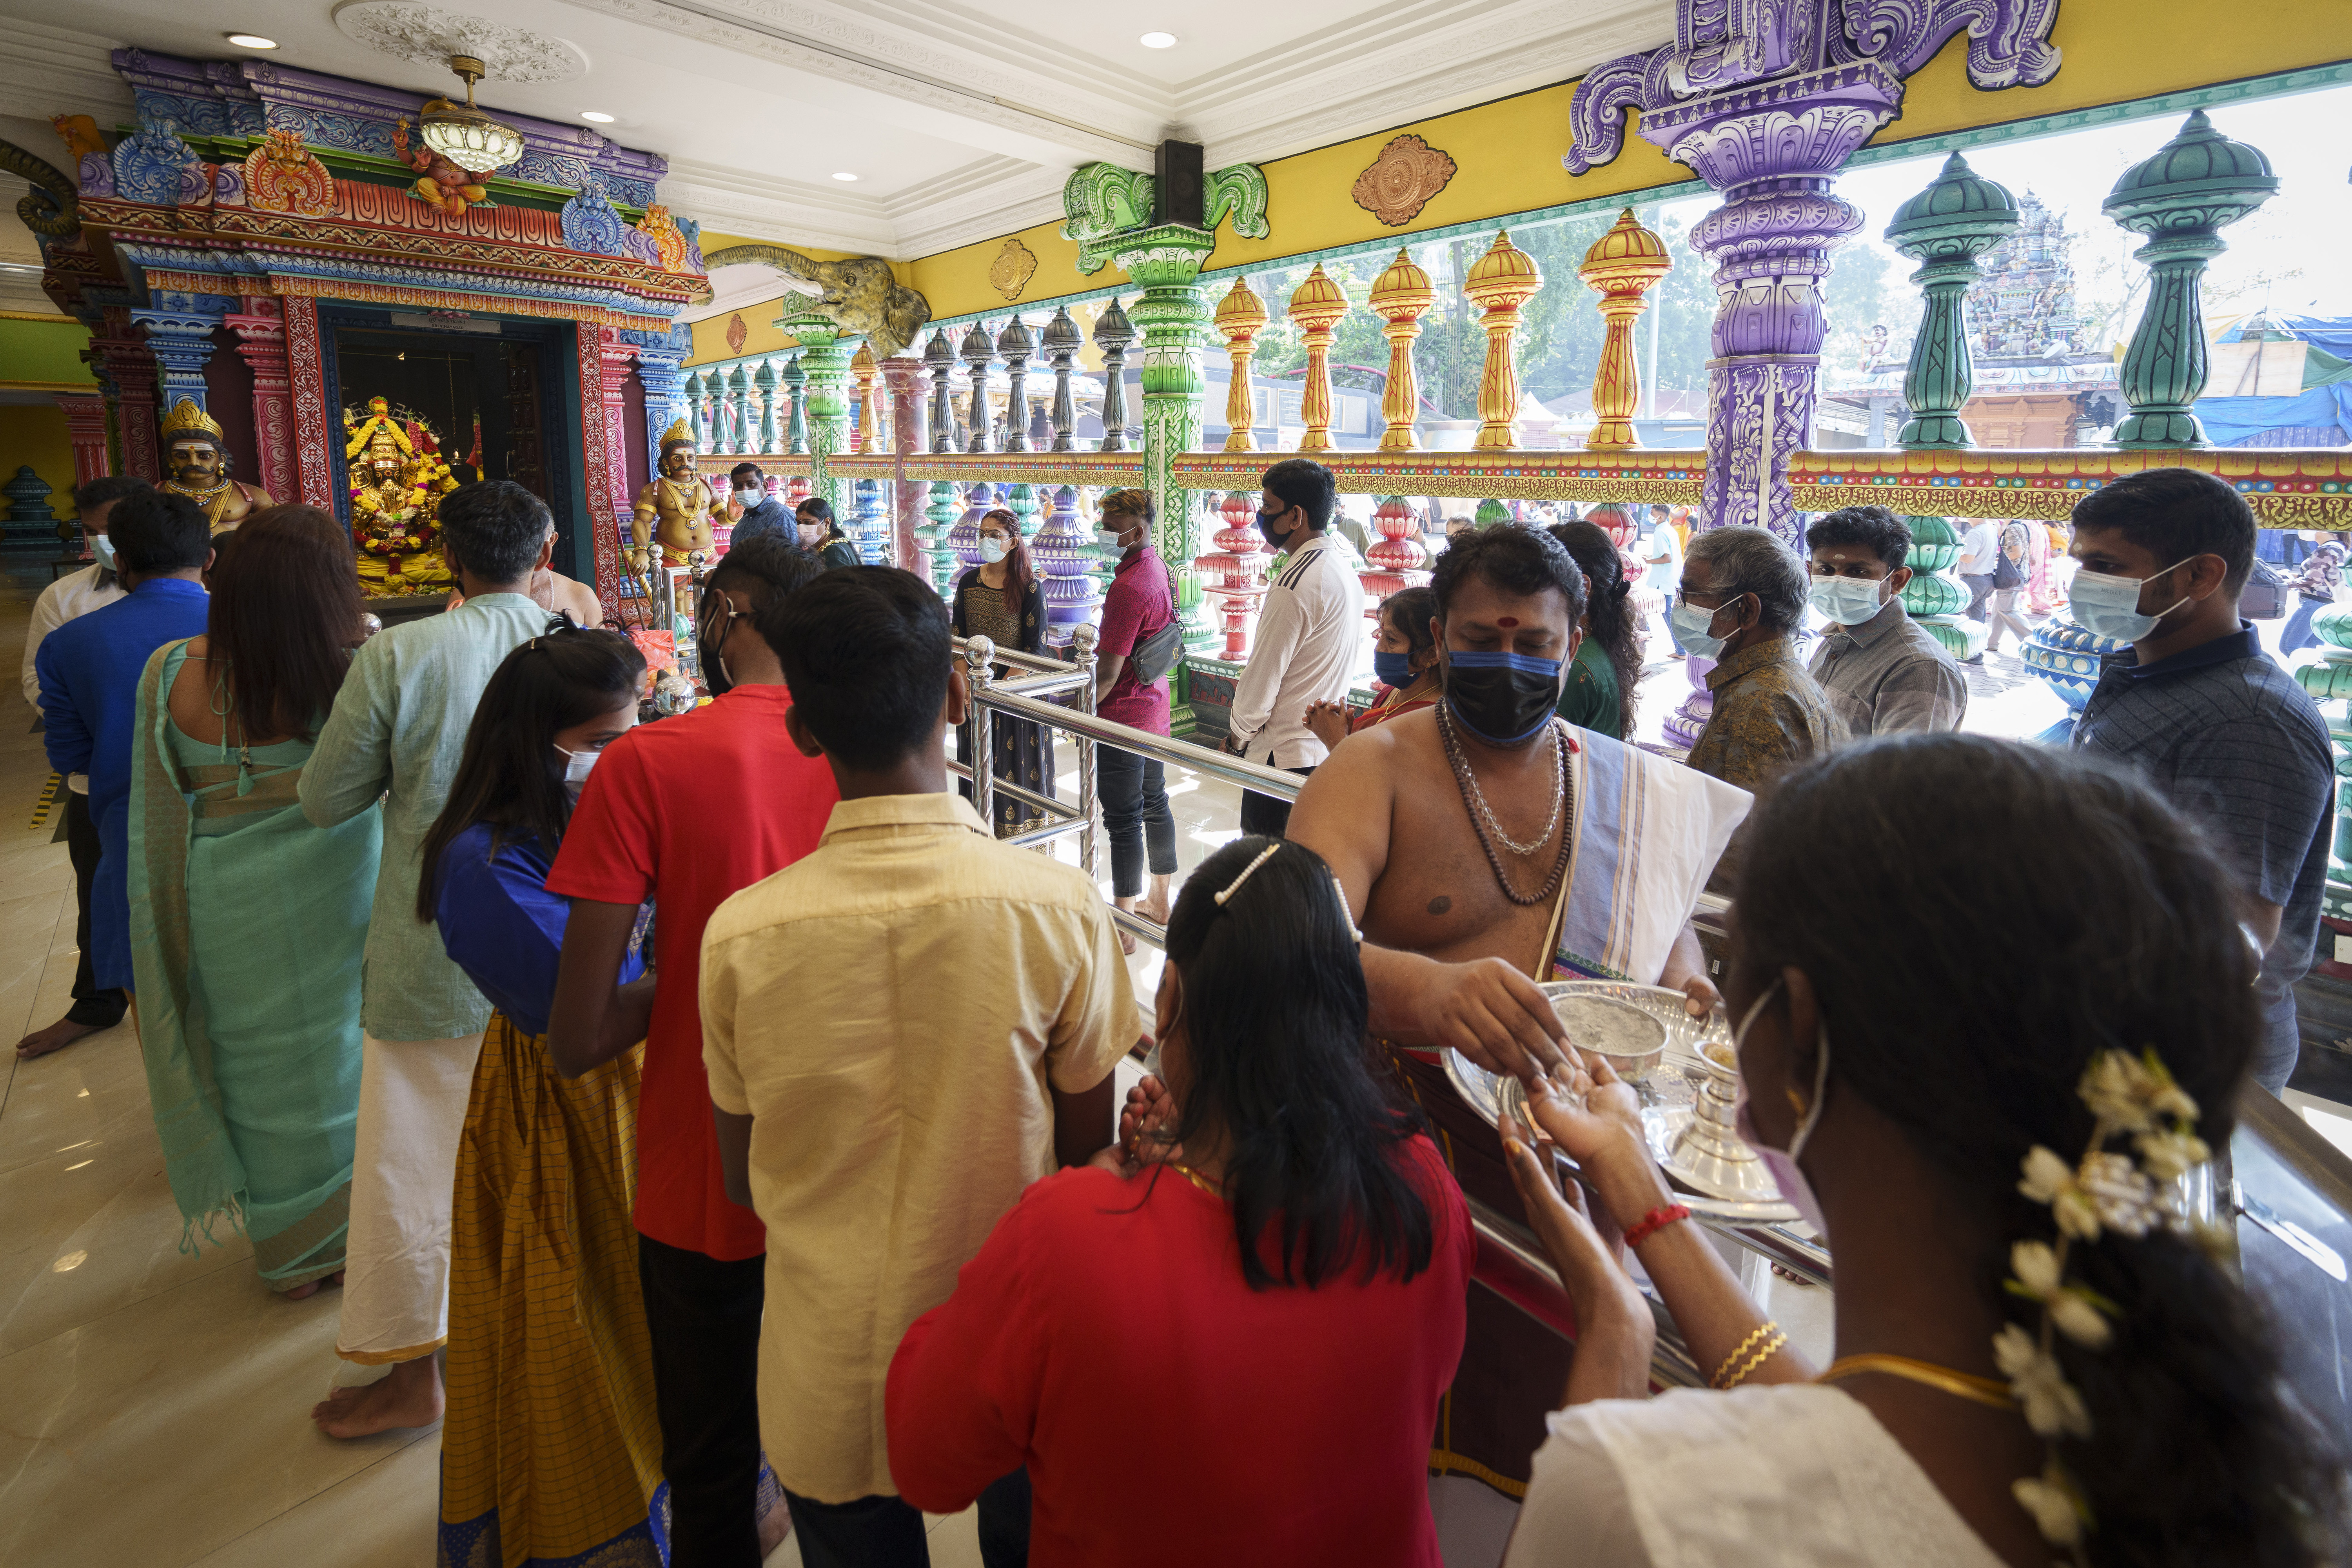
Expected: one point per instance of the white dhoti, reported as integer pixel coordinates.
(412, 1098)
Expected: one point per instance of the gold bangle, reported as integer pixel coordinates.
(1734, 1371)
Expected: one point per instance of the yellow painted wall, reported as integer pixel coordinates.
(1507, 151)
(44, 353)
(35, 433)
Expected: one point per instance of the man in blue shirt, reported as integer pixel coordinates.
(88, 671)
(2222, 733)
(762, 513)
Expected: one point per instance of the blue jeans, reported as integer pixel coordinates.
(2298, 633)
(882, 1531)
(1134, 793)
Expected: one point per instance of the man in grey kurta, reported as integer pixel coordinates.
(396, 733)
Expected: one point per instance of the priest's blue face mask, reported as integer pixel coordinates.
(1503, 698)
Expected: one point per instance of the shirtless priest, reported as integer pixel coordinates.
(1484, 846)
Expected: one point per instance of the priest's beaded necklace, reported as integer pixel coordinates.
(1482, 816)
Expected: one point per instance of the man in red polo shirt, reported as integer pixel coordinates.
(685, 812)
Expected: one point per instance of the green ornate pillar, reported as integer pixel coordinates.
(819, 378)
(2195, 184)
(1118, 216)
(1945, 228)
(2329, 681)
(938, 520)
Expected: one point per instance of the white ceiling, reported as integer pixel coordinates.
(962, 122)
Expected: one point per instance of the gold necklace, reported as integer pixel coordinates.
(1987, 1391)
(197, 494)
(1214, 1189)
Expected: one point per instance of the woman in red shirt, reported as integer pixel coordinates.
(1259, 1315)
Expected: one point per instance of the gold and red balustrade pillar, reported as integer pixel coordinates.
(1398, 560)
(1316, 306)
(1235, 571)
(1622, 266)
(1401, 297)
(1504, 279)
(1239, 316)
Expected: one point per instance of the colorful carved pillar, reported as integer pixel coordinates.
(939, 522)
(1398, 560)
(871, 525)
(979, 351)
(658, 356)
(1113, 333)
(1239, 316)
(760, 412)
(694, 420)
(1945, 228)
(2181, 198)
(1622, 266)
(1015, 344)
(741, 428)
(261, 344)
(1060, 342)
(795, 380)
(616, 358)
(1316, 308)
(181, 341)
(938, 359)
(863, 370)
(1064, 551)
(125, 359)
(904, 377)
(315, 433)
(85, 414)
(1401, 296)
(1235, 573)
(1504, 279)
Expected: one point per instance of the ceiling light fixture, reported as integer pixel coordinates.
(1158, 41)
(593, 118)
(845, 176)
(468, 137)
(250, 40)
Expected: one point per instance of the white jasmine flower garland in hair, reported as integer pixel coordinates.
(2104, 1191)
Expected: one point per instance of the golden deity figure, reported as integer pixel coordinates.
(675, 510)
(198, 463)
(397, 481)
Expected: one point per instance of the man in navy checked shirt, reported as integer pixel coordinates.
(2227, 735)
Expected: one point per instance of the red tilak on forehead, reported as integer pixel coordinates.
(1506, 620)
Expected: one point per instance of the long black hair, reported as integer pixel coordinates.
(509, 776)
(2073, 913)
(1273, 1013)
(1605, 610)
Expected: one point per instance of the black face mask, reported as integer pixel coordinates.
(1267, 521)
(717, 620)
(1502, 699)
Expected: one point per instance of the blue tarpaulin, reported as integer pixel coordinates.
(2320, 418)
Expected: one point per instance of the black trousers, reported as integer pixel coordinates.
(1134, 793)
(703, 1317)
(1266, 813)
(887, 1532)
(97, 1009)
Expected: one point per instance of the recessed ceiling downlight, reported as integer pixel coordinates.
(1158, 41)
(250, 40)
(593, 118)
(845, 176)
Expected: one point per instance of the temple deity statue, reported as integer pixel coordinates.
(397, 481)
(198, 465)
(675, 508)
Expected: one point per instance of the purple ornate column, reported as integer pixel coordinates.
(1766, 101)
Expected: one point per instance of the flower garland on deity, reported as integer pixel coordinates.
(398, 478)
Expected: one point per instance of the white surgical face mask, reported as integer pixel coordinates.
(993, 549)
(2108, 607)
(1107, 538)
(747, 500)
(576, 768)
(1795, 1189)
(1848, 600)
(104, 549)
(1691, 624)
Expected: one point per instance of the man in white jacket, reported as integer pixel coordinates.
(1311, 634)
(75, 595)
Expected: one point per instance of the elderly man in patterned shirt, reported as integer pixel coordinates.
(1743, 594)
(1883, 672)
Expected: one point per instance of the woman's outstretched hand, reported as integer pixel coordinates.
(1615, 1331)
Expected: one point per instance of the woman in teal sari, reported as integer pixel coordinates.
(246, 923)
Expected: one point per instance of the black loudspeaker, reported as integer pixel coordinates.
(1177, 169)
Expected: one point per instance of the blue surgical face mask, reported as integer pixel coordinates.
(1393, 669)
(104, 549)
(1848, 600)
(1503, 698)
(747, 500)
(2108, 607)
(1691, 624)
(1109, 538)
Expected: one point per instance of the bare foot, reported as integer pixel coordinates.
(409, 1395)
(310, 1288)
(1154, 910)
(774, 1525)
(56, 1037)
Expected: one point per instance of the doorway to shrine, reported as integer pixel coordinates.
(426, 402)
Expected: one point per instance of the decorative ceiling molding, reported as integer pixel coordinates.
(963, 113)
(426, 35)
(54, 71)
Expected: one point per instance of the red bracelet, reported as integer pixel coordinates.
(1656, 1220)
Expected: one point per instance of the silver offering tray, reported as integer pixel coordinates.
(1686, 1100)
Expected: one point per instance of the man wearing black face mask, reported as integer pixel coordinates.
(1483, 847)
(1311, 635)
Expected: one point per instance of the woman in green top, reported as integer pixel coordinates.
(1601, 683)
(823, 537)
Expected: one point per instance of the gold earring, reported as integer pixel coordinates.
(1795, 1100)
